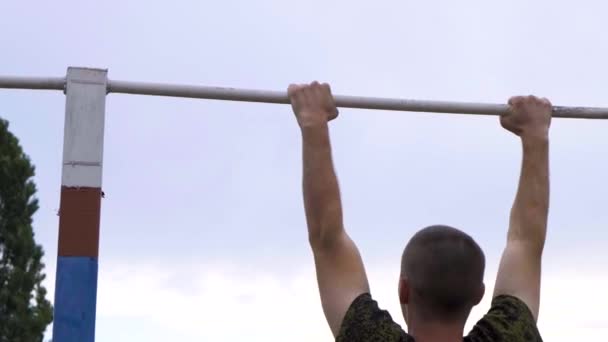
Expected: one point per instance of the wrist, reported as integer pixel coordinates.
(317, 134)
(534, 141)
(313, 127)
(541, 136)
(312, 118)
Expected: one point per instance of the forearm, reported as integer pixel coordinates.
(320, 186)
(531, 206)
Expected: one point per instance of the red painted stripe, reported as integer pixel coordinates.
(79, 215)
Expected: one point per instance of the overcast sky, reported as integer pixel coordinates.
(203, 235)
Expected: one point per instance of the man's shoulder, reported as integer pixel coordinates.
(509, 319)
(365, 321)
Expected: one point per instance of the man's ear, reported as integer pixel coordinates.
(404, 291)
(480, 292)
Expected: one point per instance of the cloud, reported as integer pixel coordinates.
(216, 303)
(572, 307)
(220, 302)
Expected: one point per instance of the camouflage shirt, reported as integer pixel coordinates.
(508, 320)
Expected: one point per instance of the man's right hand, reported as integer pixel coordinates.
(313, 104)
(528, 117)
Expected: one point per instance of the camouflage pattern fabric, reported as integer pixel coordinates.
(509, 320)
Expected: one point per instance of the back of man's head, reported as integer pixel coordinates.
(443, 268)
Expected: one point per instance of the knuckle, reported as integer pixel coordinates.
(293, 90)
(530, 99)
(516, 101)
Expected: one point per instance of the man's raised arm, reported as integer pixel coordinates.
(340, 272)
(520, 267)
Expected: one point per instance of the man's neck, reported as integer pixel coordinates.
(436, 332)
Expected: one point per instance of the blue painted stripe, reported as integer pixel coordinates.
(75, 299)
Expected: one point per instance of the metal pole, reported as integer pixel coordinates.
(251, 95)
(79, 210)
(44, 83)
(267, 96)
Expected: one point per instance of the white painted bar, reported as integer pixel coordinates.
(251, 95)
(268, 96)
(84, 127)
(43, 83)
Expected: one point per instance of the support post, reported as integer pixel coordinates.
(79, 213)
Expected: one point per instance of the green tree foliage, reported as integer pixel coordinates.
(24, 310)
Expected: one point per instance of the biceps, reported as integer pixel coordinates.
(341, 278)
(519, 274)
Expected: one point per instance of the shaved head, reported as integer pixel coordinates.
(444, 268)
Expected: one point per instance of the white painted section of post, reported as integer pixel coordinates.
(84, 127)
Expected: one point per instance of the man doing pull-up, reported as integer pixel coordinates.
(441, 267)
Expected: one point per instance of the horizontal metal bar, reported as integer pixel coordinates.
(44, 83)
(267, 96)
